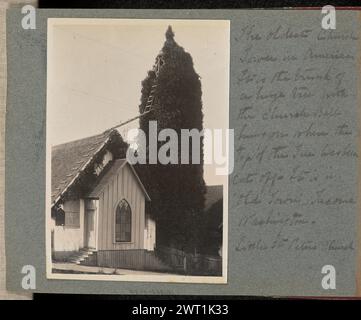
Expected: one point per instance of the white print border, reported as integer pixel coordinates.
(166, 278)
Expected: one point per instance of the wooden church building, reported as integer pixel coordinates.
(98, 206)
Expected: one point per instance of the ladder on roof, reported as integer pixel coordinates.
(149, 104)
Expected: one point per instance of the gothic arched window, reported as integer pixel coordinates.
(123, 222)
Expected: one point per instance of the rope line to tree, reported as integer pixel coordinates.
(148, 107)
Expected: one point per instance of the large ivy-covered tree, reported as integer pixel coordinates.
(177, 190)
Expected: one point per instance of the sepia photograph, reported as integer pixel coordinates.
(137, 157)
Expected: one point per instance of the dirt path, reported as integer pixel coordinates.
(76, 268)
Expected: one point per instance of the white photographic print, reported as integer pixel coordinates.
(138, 150)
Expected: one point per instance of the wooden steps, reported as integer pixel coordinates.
(82, 256)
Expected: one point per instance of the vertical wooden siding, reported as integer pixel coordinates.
(122, 186)
(149, 233)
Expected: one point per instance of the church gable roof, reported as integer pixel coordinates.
(71, 158)
(108, 176)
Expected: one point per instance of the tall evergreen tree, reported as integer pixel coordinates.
(177, 190)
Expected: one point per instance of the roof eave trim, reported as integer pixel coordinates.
(96, 195)
(138, 179)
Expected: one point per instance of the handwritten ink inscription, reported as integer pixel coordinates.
(295, 139)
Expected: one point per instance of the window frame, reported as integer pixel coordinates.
(115, 223)
(59, 217)
(71, 216)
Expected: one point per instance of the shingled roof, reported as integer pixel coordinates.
(213, 195)
(69, 159)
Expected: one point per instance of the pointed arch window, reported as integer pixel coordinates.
(123, 222)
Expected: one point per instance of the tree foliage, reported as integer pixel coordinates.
(177, 190)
